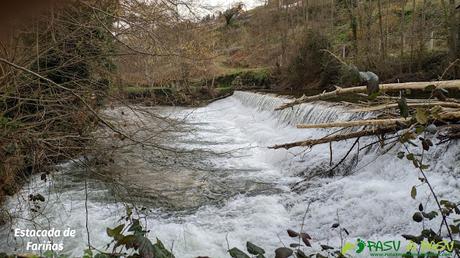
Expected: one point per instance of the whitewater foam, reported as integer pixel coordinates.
(258, 204)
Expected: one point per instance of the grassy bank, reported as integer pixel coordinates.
(199, 92)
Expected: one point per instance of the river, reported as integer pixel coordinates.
(224, 183)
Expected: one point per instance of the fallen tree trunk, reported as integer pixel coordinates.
(395, 105)
(335, 138)
(374, 122)
(391, 126)
(447, 116)
(393, 87)
(451, 116)
(390, 98)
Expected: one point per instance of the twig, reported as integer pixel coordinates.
(86, 212)
(331, 171)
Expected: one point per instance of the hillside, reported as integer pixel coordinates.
(398, 40)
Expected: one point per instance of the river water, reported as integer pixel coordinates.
(224, 183)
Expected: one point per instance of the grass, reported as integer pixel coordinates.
(224, 90)
(138, 91)
(248, 76)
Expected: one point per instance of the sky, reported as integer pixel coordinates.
(220, 5)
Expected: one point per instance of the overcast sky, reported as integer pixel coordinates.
(224, 4)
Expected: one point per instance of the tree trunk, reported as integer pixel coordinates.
(351, 4)
(412, 34)
(454, 35)
(382, 34)
(402, 33)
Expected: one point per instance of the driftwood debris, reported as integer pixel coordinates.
(412, 112)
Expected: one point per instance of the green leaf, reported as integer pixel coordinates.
(413, 192)
(283, 252)
(421, 116)
(424, 166)
(116, 231)
(373, 96)
(454, 229)
(326, 247)
(237, 253)
(160, 250)
(456, 244)
(147, 250)
(428, 233)
(417, 217)
(300, 254)
(416, 163)
(403, 108)
(416, 239)
(127, 241)
(86, 254)
(253, 249)
(410, 156)
(431, 215)
(101, 256)
(430, 87)
(160, 244)
(51, 254)
(401, 154)
(426, 144)
(136, 227)
(419, 129)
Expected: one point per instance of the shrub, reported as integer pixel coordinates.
(312, 65)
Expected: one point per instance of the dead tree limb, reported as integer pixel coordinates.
(390, 98)
(373, 122)
(390, 127)
(450, 116)
(395, 105)
(447, 116)
(335, 138)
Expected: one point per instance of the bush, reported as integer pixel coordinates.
(312, 65)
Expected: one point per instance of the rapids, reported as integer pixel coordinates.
(231, 186)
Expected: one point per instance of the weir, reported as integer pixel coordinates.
(316, 112)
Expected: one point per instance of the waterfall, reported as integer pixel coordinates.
(307, 113)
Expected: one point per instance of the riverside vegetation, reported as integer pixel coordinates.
(59, 68)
